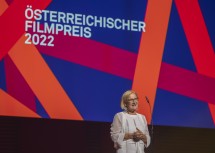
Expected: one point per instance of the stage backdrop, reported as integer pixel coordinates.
(63, 59)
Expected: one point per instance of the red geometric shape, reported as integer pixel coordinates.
(17, 86)
(14, 16)
(198, 39)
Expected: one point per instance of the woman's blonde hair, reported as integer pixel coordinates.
(125, 97)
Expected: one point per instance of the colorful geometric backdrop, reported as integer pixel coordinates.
(172, 63)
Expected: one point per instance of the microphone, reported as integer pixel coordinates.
(147, 100)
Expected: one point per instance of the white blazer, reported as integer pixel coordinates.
(124, 123)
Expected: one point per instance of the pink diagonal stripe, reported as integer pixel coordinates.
(93, 54)
(121, 63)
(187, 83)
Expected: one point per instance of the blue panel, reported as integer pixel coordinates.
(96, 94)
(2, 76)
(176, 110)
(122, 9)
(176, 49)
(208, 12)
(40, 110)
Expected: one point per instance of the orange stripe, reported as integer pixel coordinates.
(212, 110)
(42, 81)
(11, 107)
(3, 7)
(150, 53)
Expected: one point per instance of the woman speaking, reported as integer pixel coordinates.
(129, 130)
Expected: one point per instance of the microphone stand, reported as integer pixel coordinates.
(152, 124)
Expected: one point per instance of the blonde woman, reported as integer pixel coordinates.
(129, 130)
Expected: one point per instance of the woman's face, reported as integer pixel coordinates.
(132, 103)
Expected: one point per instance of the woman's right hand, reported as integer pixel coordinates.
(138, 135)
